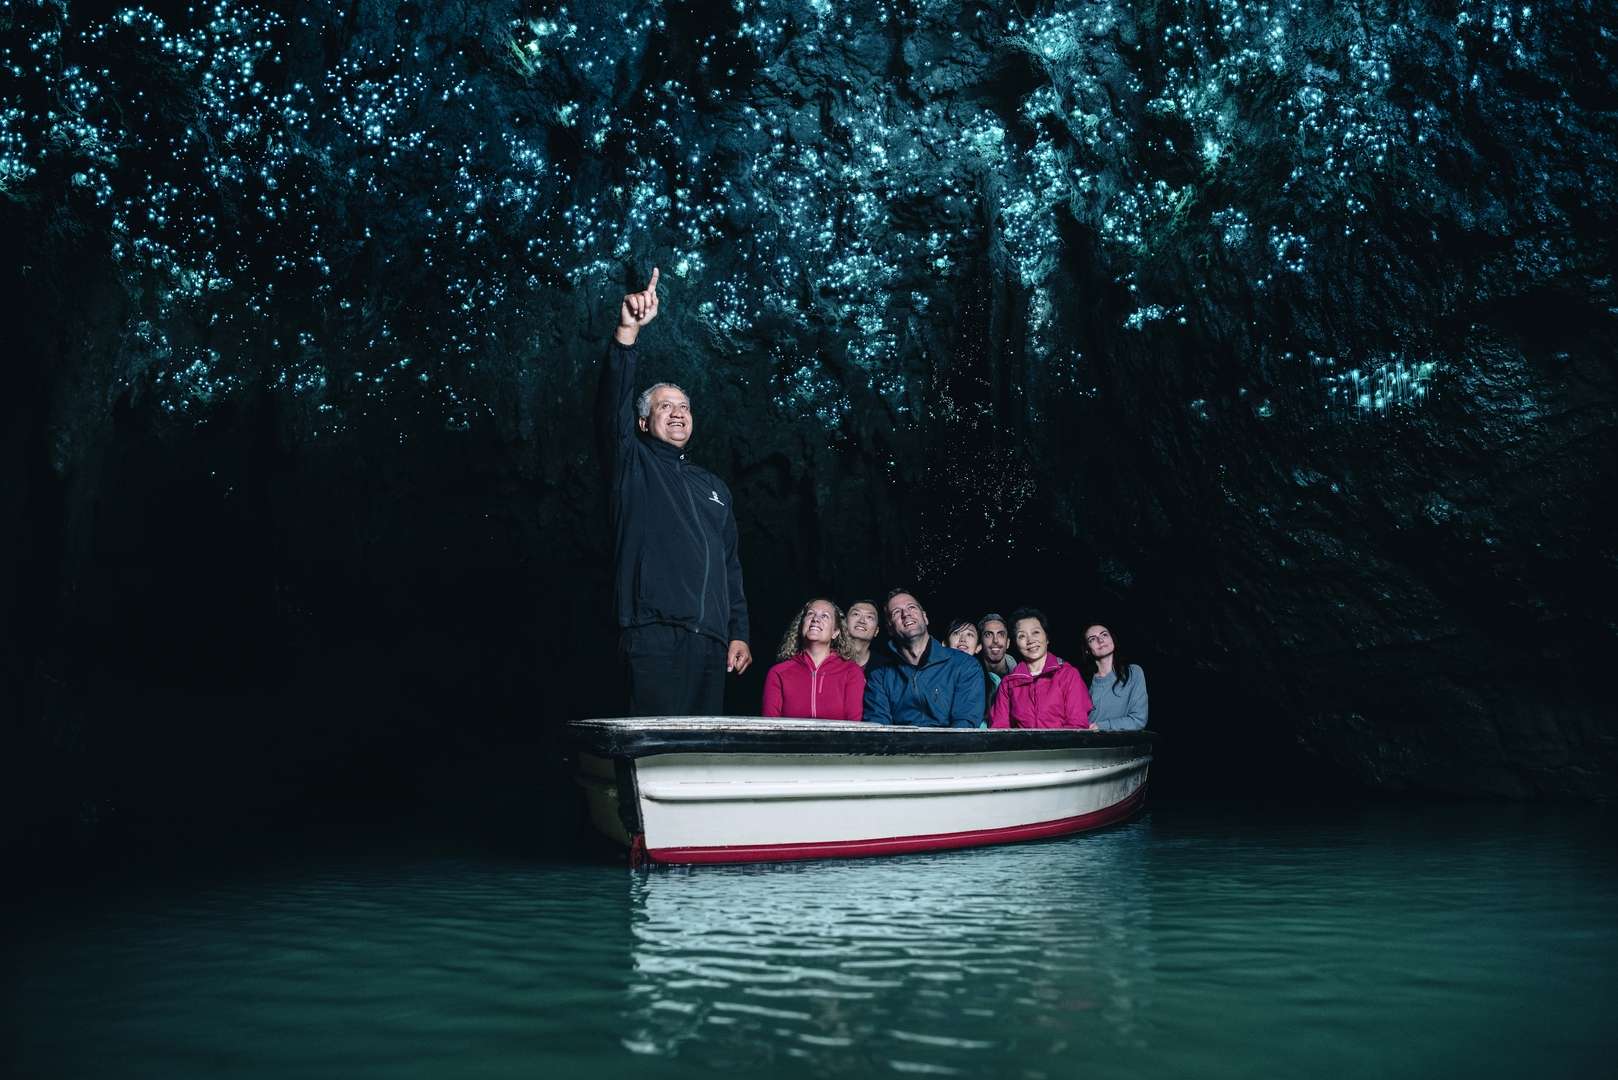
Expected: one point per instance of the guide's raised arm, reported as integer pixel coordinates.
(638, 309)
(615, 397)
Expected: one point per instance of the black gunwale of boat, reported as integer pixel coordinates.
(614, 741)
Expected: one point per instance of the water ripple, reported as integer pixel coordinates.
(1170, 946)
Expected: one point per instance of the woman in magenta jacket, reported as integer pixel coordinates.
(1044, 691)
(815, 677)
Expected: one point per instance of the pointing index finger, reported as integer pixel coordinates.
(652, 285)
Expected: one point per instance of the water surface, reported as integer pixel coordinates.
(1392, 941)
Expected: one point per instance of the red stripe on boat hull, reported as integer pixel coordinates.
(895, 845)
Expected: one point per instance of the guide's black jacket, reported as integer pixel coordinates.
(674, 534)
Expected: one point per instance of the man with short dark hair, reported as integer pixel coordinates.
(682, 618)
(994, 638)
(928, 684)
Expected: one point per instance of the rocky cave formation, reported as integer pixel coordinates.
(1279, 336)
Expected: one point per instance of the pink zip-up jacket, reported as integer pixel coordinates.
(834, 691)
(1056, 697)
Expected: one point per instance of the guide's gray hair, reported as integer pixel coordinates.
(643, 404)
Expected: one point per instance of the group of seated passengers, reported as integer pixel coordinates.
(832, 668)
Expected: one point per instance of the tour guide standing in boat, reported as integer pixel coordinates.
(682, 618)
(930, 684)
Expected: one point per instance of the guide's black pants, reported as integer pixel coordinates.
(673, 672)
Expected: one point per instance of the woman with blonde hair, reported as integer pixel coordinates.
(815, 678)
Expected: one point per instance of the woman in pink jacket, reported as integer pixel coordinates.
(1044, 691)
(815, 677)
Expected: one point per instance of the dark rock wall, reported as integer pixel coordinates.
(1280, 337)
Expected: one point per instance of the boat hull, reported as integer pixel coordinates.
(727, 789)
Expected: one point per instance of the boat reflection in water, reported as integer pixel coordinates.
(966, 961)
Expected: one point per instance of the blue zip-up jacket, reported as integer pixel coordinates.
(944, 690)
(673, 530)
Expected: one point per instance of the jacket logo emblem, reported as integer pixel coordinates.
(713, 497)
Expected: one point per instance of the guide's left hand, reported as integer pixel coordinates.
(739, 658)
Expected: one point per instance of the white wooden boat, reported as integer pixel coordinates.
(715, 789)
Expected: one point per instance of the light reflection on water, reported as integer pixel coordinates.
(1396, 941)
(938, 963)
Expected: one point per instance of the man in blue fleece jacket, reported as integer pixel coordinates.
(928, 684)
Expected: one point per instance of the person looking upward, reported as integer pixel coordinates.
(681, 613)
(815, 678)
(860, 631)
(1117, 687)
(928, 684)
(963, 636)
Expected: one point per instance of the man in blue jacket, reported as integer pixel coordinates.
(928, 684)
(682, 618)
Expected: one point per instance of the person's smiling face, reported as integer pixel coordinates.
(1031, 642)
(819, 623)
(862, 621)
(670, 418)
(906, 620)
(995, 641)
